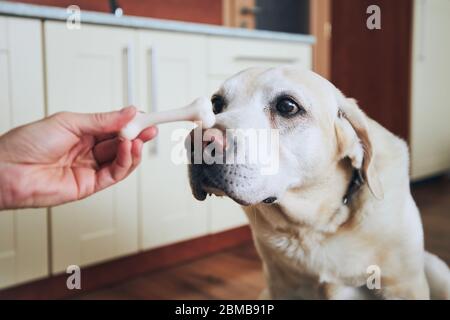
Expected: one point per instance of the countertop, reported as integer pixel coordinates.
(90, 17)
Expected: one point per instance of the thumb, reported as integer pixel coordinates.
(98, 123)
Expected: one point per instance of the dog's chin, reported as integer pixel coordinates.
(202, 190)
(230, 181)
(222, 193)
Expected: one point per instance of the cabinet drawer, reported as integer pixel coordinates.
(228, 56)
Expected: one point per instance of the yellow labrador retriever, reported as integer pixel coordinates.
(338, 211)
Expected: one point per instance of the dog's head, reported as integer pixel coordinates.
(313, 124)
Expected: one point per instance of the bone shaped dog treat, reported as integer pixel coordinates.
(199, 110)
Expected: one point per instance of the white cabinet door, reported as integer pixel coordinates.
(23, 233)
(88, 71)
(226, 57)
(430, 111)
(175, 65)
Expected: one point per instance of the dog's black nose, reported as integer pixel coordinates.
(270, 200)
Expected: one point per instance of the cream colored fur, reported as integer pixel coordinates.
(312, 246)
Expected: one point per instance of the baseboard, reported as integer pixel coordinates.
(109, 273)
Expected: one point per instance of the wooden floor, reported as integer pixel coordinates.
(236, 273)
(433, 199)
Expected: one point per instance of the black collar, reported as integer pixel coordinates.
(355, 184)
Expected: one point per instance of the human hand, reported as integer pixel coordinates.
(66, 157)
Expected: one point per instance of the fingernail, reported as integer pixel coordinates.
(124, 110)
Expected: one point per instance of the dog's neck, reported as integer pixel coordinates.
(353, 186)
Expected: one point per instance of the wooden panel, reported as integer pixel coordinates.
(320, 27)
(87, 72)
(233, 17)
(430, 131)
(169, 212)
(97, 5)
(373, 66)
(23, 233)
(113, 272)
(201, 11)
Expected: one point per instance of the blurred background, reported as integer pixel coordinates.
(148, 238)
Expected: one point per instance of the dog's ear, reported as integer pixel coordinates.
(354, 142)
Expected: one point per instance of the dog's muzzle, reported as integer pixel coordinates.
(208, 171)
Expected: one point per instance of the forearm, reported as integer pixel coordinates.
(13, 175)
(21, 187)
(6, 188)
(11, 179)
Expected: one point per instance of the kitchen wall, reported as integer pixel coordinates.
(201, 11)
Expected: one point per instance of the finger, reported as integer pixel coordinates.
(136, 153)
(96, 123)
(148, 134)
(118, 169)
(105, 136)
(123, 161)
(105, 151)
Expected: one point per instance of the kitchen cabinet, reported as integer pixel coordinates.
(430, 112)
(92, 69)
(172, 73)
(99, 68)
(23, 233)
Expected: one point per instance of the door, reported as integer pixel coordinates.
(92, 69)
(23, 233)
(373, 65)
(172, 74)
(430, 112)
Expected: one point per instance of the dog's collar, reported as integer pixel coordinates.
(355, 184)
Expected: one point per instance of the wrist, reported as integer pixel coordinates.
(3, 187)
(8, 183)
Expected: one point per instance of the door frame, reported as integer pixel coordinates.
(320, 28)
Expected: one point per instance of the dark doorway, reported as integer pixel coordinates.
(284, 16)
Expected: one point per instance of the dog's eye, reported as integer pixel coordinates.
(218, 103)
(287, 107)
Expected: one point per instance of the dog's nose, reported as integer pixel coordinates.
(199, 140)
(216, 137)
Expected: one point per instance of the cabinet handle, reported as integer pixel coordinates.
(152, 92)
(265, 59)
(423, 29)
(130, 67)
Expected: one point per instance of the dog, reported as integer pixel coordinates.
(338, 212)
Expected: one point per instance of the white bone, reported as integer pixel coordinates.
(199, 110)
